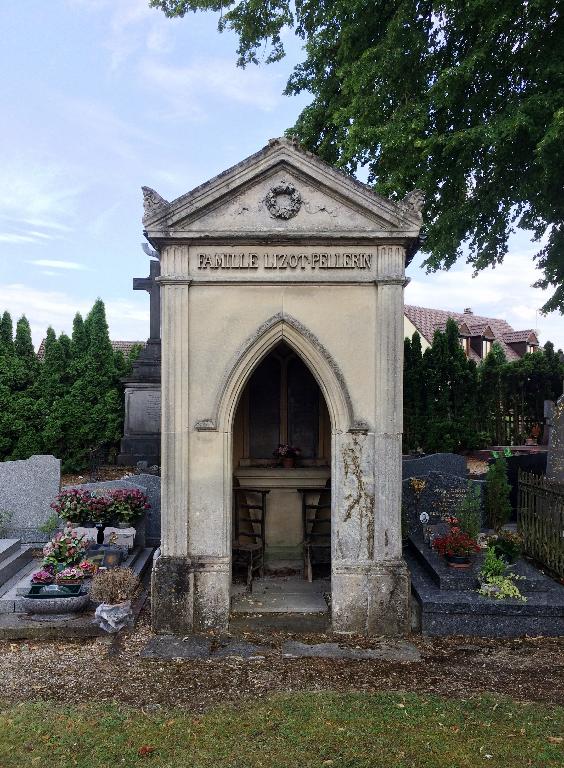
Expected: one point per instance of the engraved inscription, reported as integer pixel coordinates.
(275, 260)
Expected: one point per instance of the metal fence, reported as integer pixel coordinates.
(541, 520)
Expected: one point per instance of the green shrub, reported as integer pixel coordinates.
(498, 507)
(493, 565)
(469, 511)
(495, 582)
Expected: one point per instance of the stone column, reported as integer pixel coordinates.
(172, 579)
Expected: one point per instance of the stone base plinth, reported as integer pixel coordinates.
(371, 598)
(212, 593)
(172, 595)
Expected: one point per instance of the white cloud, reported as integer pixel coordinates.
(127, 319)
(133, 27)
(15, 239)
(186, 88)
(505, 292)
(104, 131)
(35, 195)
(57, 264)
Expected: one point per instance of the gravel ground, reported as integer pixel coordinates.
(530, 669)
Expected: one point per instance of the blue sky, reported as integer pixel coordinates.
(103, 96)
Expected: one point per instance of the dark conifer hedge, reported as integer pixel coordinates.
(67, 404)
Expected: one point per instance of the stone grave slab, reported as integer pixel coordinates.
(27, 489)
(171, 647)
(386, 650)
(241, 649)
(445, 463)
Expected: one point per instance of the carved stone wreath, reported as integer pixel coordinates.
(287, 211)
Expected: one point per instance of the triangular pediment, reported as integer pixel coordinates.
(281, 190)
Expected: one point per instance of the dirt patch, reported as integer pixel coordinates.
(104, 473)
(530, 669)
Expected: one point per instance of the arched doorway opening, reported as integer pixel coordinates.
(286, 509)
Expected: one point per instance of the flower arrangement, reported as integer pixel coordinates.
(68, 575)
(507, 545)
(127, 505)
(88, 568)
(286, 451)
(73, 505)
(44, 576)
(65, 548)
(455, 544)
(80, 507)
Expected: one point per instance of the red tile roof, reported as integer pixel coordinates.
(516, 336)
(122, 346)
(427, 321)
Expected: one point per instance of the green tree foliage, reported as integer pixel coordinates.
(94, 405)
(66, 404)
(450, 394)
(6, 334)
(492, 399)
(464, 100)
(469, 511)
(413, 393)
(498, 507)
(451, 404)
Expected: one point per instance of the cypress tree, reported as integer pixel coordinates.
(94, 413)
(492, 395)
(449, 383)
(26, 404)
(78, 346)
(6, 334)
(23, 345)
(413, 393)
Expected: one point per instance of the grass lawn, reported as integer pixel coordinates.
(290, 731)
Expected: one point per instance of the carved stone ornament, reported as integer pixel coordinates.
(414, 202)
(291, 208)
(152, 201)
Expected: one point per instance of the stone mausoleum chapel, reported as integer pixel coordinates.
(281, 299)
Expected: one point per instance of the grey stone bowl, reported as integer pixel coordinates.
(55, 605)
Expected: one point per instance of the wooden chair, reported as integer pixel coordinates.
(249, 519)
(317, 528)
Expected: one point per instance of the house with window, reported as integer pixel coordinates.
(477, 334)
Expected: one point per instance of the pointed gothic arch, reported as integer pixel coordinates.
(306, 345)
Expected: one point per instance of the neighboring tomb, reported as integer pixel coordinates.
(142, 423)
(555, 461)
(27, 489)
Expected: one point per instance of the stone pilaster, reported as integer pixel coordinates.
(172, 584)
(370, 581)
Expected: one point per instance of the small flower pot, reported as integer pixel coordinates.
(461, 562)
(288, 462)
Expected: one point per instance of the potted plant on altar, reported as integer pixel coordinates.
(78, 507)
(456, 547)
(73, 506)
(65, 548)
(65, 595)
(44, 576)
(69, 576)
(127, 505)
(287, 455)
